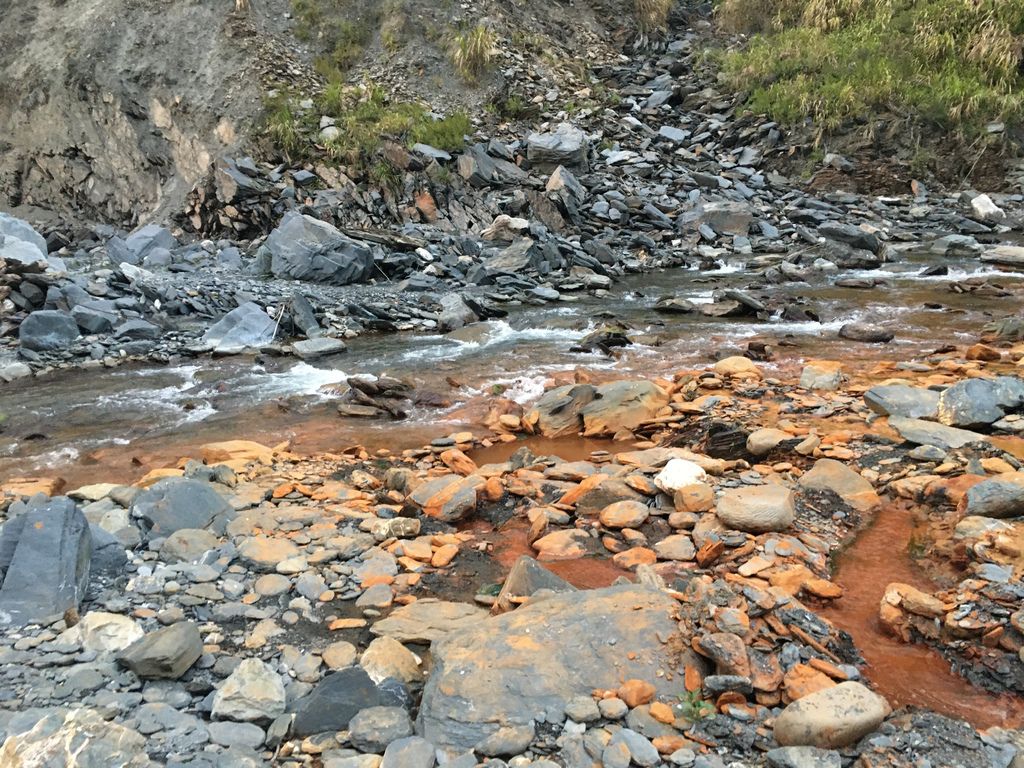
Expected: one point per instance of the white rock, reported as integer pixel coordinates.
(102, 632)
(987, 210)
(679, 473)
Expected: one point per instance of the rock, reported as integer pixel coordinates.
(970, 403)
(265, 553)
(146, 239)
(228, 734)
(851, 235)
(679, 474)
(803, 757)
(245, 327)
(311, 349)
(12, 229)
(304, 248)
(557, 412)
(335, 700)
(867, 333)
(737, 367)
(724, 217)
(929, 433)
(1004, 255)
(566, 145)
(187, 545)
(756, 509)
(427, 620)
(410, 752)
(166, 653)
(47, 330)
(621, 405)
(832, 717)
(386, 658)
(903, 400)
(478, 686)
(826, 375)
(761, 442)
(374, 728)
(676, 547)
(995, 498)
(582, 709)
(986, 210)
(624, 514)
(80, 738)
(641, 751)
(175, 503)
(526, 577)
(831, 475)
(455, 313)
(102, 632)
(45, 553)
(450, 498)
(252, 693)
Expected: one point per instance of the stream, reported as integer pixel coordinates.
(115, 425)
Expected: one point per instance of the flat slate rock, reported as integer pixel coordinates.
(930, 433)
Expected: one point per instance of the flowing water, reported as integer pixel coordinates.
(115, 425)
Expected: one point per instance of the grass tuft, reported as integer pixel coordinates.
(652, 15)
(957, 62)
(472, 51)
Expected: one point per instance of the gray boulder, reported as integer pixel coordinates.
(175, 503)
(566, 145)
(94, 319)
(336, 699)
(903, 400)
(147, 239)
(455, 313)
(482, 170)
(374, 728)
(410, 752)
(304, 248)
(970, 403)
(930, 433)
(245, 327)
(478, 685)
(996, 498)
(165, 653)
(12, 229)
(726, 217)
(80, 738)
(48, 329)
(45, 553)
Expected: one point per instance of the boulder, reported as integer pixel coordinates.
(831, 475)
(410, 752)
(310, 349)
(252, 693)
(187, 545)
(455, 313)
(869, 334)
(1000, 497)
(970, 403)
(527, 577)
(80, 738)
(832, 717)
(385, 657)
(304, 248)
(725, 217)
(175, 503)
(335, 700)
(450, 498)
(621, 405)
(47, 330)
(12, 229)
(146, 239)
(738, 367)
(757, 508)
(903, 400)
(930, 433)
(624, 514)
(244, 327)
(826, 375)
(45, 553)
(427, 620)
(166, 653)
(679, 474)
(557, 412)
(566, 145)
(372, 729)
(763, 441)
(526, 666)
(103, 632)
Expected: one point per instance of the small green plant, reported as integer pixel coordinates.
(472, 51)
(384, 174)
(652, 15)
(498, 389)
(694, 707)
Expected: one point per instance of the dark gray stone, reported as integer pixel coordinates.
(374, 728)
(995, 498)
(48, 329)
(45, 553)
(166, 653)
(176, 503)
(304, 248)
(970, 403)
(335, 700)
(930, 433)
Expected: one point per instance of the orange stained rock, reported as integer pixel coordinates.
(823, 588)
(405, 599)
(729, 698)
(492, 490)
(444, 555)
(827, 668)
(571, 497)
(339, 624)
(662, 712)
(668, 744)
(631, 558)
(411, 564)
(155, 475)
(710, 552)
(636, 692)
(790, 580)
(458, 462)
(983, 352)
(692, 679)
(30, 486)
(375, 579)
(802, 680)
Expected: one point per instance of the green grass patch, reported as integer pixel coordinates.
(956, 62)
(364, 117)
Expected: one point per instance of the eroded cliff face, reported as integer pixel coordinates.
(109, 109)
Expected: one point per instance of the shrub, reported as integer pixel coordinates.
(472, 51)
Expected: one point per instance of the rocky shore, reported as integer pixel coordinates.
(250, 606)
